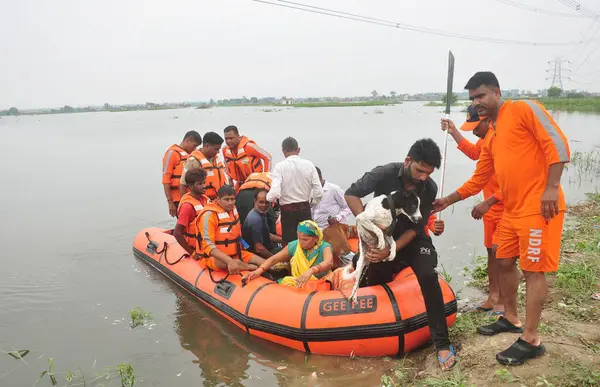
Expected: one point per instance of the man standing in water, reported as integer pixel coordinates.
(208, 159)
(173, 162)
(414, 247)
(491, 208)
(243, 157)
(297, 187)
(528, 156)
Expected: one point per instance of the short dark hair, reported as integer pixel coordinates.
(194, 136)
(426, 150)
(259, 191)
(482, 78)
(231, 128)
(319, 172)
(196, 175)
(225, 190)
(213, 138)
(290, 144)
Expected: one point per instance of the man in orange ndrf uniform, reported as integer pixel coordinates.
(528, 155)
(243, 157)
(218, 226)
(173, 162)
(491, 208)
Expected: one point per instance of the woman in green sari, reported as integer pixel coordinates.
(309, 256)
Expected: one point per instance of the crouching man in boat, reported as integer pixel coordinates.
(414, 247)
(310, 257)
(190, 206)
(218, 226)
(256, 231)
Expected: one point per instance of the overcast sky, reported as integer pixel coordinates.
(81, 52)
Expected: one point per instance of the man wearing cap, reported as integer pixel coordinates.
(491, 208)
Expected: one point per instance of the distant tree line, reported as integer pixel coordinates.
(13, 111)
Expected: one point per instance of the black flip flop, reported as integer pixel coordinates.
(520, 351)
(499, 326)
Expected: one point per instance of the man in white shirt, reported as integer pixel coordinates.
(333, 208)
(297, 187)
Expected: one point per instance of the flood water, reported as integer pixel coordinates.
(78, 187)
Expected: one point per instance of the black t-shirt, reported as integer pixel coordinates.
(385, 179)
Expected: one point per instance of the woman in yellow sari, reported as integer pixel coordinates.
(309, 256)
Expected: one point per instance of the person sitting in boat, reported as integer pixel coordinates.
(310, 257)
(255, 229)
(218, 226)
(244, 200)
(208, 159)
(190, 206)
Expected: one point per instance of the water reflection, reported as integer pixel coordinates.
(229, 356)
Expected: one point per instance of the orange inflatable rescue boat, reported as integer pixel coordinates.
(387, 320)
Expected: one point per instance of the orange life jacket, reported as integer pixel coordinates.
(258, 180)
(182, 157)
(228, 233)
(215, 173)
(190, 230)
(240, 165)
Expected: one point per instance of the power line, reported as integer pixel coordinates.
(539, 10)
(408, 27)
(580, 8)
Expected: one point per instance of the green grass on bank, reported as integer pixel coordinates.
(343, 104)
(589, 104)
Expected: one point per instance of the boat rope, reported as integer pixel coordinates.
(163, 252)
(210, 271)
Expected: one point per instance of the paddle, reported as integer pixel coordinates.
(448, 105)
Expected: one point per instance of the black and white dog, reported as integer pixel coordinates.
(375, 226)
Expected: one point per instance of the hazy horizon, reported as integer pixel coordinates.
(90, 53)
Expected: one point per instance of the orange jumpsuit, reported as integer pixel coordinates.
(526, 142)
(491, 219)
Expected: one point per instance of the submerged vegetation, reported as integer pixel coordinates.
(123, 371)
(140, 317)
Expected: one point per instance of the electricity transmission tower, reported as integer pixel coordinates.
(557, 71)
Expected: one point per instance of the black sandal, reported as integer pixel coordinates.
(499, 326)
(520, 351)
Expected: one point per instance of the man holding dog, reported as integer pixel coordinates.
(528, 157)
(414, 247)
